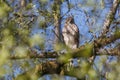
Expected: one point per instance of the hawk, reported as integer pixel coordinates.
(70, 33)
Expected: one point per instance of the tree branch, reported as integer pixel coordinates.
(103, 40)
(110, 18)
(112, 52)
(50, 67)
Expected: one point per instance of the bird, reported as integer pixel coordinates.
(70, 33)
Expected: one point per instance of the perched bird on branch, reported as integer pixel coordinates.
(70, 33)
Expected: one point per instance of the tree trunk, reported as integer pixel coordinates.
(57, 20)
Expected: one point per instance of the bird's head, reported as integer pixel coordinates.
(70, 20)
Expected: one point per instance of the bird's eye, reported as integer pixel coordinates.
(68, 32)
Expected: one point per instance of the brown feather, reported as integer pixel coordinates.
(70, 33)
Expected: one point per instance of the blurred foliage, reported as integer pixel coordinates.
(37, 40)
(4, 9)
(29, 6)
(88, 50)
